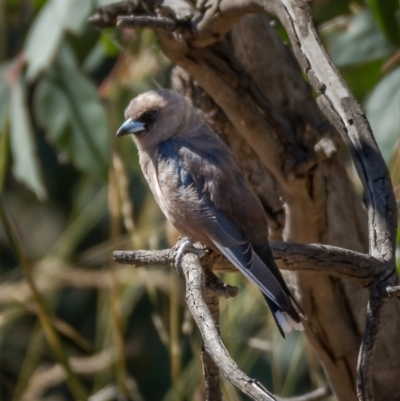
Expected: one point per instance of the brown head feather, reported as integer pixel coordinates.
(171, 116)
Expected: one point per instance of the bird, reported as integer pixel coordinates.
(202, 190)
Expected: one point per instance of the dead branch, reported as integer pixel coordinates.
(212, 342)
(202, 301)
(335, 261)
(165, 24)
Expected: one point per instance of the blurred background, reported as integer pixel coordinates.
(73, 324)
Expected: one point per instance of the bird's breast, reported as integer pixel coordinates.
(174, 192)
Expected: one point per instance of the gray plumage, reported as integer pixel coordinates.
(202, 190)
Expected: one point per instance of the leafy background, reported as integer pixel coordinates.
(70, 194)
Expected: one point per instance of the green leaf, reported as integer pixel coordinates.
(46, 33)
(45, 36)
(66, 55)
(26, 166)
(386, 15)
(94, 58)
(360, 41)
(383, 111)
(67, 106)
(78, 13)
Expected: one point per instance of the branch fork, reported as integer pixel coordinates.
(203, 288)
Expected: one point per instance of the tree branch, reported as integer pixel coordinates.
(339, 262)
(343, 111)
(212, 342)
(364, 367)
(202, 300)
(360, 268)
(107, 16)
(162, 23)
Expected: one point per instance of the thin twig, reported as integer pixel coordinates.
(218, 288)
(165, 24)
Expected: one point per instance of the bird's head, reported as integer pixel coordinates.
(156, 116)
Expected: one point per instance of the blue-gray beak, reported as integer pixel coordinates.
(130, 127)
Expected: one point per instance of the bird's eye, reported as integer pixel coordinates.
(148, 118)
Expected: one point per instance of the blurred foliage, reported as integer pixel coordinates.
(71, 194)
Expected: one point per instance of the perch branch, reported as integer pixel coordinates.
(360, 268)
(202, 300)
(339, 262)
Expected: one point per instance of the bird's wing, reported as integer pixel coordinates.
(242, 255)
(192, 177)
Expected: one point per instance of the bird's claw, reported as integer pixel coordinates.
(185, 246)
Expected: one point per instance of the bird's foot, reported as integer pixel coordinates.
(183, 246)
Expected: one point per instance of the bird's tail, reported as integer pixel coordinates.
(282, 319)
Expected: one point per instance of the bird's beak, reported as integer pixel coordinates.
(130, 127)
